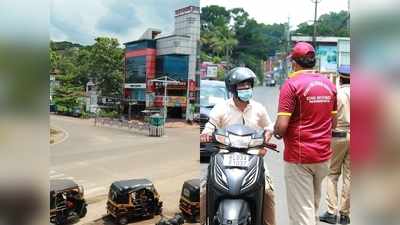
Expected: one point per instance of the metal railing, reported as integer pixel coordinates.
(120, 123)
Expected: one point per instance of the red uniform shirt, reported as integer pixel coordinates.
(310, 100)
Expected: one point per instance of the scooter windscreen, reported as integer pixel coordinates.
(239, 137)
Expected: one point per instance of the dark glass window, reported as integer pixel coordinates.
(138, 94)
(136, 69)
(140, 45)
(174, 66)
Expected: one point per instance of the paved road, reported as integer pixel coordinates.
(96, 156)
(269, 97)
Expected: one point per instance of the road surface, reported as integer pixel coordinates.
(97, 156)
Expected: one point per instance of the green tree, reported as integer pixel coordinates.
(105, 65)
(332, 24)
(102, 62)
(214, 16)
(217, 39)
(67, 95)
(237, 38)
(54, 59)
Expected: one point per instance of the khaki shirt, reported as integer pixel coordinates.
(226, 113)
(343, 114)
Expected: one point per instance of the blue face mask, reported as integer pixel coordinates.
(245, 95)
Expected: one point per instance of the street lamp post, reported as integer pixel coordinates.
(315, 21)
(165, 98)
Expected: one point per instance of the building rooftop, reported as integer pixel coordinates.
(137, 41)
(319, 39)
(173, 35)
(150, 33)
(186, 10)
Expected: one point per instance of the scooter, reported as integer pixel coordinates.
(235, 181)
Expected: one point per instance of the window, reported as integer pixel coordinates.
(140, 45)
(136, 70)
(186, 193)
(174, 66)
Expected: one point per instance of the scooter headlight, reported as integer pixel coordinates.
(222, 139)
(239, 141)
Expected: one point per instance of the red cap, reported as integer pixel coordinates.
(302, 49)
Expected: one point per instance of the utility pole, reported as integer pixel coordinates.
(348, 10)
(165, 98)
(315, 22)
(287, 49)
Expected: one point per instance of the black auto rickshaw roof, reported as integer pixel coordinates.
(193, 184)
(59, 185)
(131, 185)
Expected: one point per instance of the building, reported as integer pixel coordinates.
(154, 56)
(54, 83)
(91, 97)
(331, 51)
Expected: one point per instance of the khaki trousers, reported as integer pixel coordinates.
(303, 191)
(339, 165)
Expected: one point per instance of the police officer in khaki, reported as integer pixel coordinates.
(340, 161)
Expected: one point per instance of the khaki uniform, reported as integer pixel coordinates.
(255, 116)
(340, 161)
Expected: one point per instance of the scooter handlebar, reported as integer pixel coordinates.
(271, 146)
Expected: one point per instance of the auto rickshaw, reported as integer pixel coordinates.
(133, 199)
(66, 201)
(189, 203)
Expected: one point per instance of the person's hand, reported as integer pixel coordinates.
(205, 138)
(267, 136)
(262, 152)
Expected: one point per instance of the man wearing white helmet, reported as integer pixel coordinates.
(241, 109)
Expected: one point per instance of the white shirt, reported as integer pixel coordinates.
(226, 113)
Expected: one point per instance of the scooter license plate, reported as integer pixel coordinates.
(236, 160)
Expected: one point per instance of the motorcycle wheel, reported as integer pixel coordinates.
(83, 212)
(60, 221)
(123, 220)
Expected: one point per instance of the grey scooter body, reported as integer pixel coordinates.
(235, 194)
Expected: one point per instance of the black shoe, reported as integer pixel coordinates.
(344, 219)
(328, 218)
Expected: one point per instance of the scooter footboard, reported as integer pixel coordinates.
(233, 212)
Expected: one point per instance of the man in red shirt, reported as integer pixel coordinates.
(306, 117)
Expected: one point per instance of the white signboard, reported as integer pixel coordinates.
(135, 85)
(328, 58)
(212, 71)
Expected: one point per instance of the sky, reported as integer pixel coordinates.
(278, 11)
(82, 21)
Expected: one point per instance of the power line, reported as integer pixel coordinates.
(315, 21)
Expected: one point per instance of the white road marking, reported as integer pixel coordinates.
(91, 189)
(94, 190)
(66, 135)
